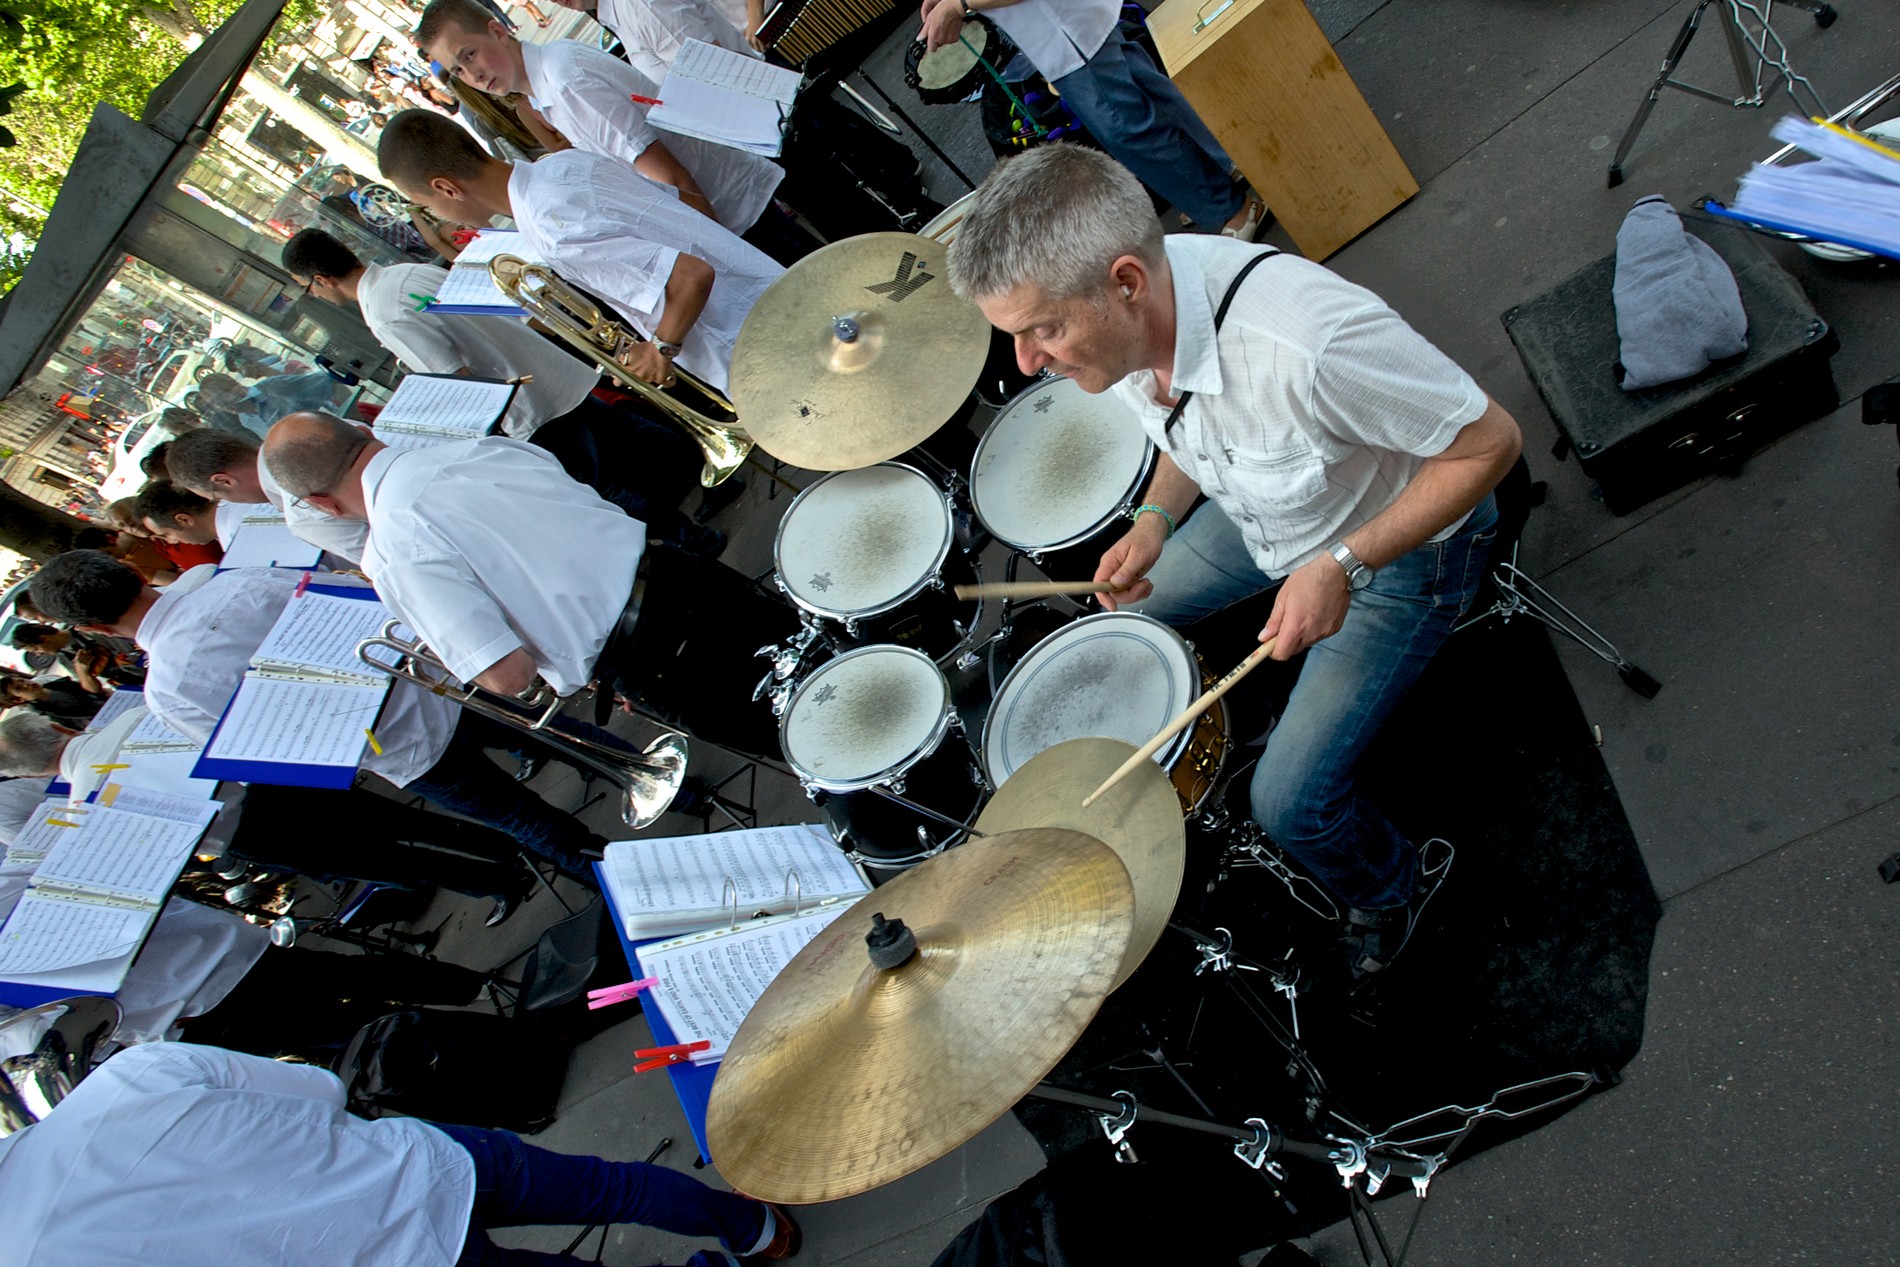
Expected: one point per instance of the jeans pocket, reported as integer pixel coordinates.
(1477, 563)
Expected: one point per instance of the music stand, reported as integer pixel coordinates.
(1753, 46)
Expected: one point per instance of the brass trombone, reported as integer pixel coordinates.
(577, 319)
(648, 781)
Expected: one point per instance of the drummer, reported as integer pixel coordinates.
(1348, 465)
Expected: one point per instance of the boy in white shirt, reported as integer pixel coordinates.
(599, 104)
(683, 281)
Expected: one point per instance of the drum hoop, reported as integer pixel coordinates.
(914, 60)
(863, 613)
(1123, 504)
(1169, 754)
(932, 742)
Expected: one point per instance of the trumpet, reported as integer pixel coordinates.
(648, 780)
(577, 319)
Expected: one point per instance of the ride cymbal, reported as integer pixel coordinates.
(857, 354)
(845, 1075)
(1139, 818)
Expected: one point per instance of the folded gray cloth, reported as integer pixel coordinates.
(1677, 306)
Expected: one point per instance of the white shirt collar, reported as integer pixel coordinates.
(1196, 357)
(169, 597)
(373, 473)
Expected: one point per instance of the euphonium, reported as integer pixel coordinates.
(648, 780)
(574, 317)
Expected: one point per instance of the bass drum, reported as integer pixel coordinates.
(880, 718)
(1118, 675)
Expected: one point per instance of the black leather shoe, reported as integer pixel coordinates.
(504, 907)
(704, 543)
(1374, 938)
(531, 763)
(717, 498)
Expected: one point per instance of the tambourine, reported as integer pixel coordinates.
(955, 71)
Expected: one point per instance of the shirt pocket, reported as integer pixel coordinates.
(1287, 489)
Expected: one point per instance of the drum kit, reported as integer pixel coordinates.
(1026, 862)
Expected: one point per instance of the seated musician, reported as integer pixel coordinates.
(595, 101)
(223, 467)
(200, 635)
(207, 973)
(651, 32)
(684, 281)
(176, 1153)
(1346, 460)
(512, 571)
(638, 462)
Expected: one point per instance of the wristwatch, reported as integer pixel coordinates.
(667, 350)
(1358, 575)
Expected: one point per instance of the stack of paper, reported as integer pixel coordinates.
(427, 409)
(264, 540)
(469, 288)
(726, 97)
(1850, 195)
(677, 883)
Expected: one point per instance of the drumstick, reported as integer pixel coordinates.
(1035, 589)
(1185, 719)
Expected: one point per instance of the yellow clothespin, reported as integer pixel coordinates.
(108, 769)
(59, 822)
(374, 746)
(1858, 137)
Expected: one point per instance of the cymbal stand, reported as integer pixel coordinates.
(1249, 846)
(1218, 962)
(1753, 47)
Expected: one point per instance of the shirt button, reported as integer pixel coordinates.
(1201, 456)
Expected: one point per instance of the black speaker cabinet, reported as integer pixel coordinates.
(1638, 445)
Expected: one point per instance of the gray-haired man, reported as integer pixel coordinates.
(1347, 461)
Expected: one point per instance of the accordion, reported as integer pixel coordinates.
(801, 29)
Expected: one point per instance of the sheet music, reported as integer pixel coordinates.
(408, 441)
(155, 803)
(39, 835)
(651, 879)
(44, 933)
(753, 76)
(268, 543)
(120, 852)
(153, 735)
(169, 772)
(301, 723)
(320, 631)
(120, 701)
(488, 243)
(433, 402)
(468, 283)
(709, 981)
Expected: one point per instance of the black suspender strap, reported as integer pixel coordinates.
(1220, 314)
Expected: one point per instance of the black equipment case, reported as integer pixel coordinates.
(1638, 445)
(466, 1068)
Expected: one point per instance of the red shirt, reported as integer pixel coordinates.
(184, 557)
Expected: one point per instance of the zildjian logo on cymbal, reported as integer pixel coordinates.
(905, 283)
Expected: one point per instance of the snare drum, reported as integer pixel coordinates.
(879, 717)
(871, 550)
(956, 71)
(1057, 474)
(1118, 675)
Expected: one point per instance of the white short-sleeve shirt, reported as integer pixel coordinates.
(1313, 409)
(587, 94)
(199, 638)
(1057, 35)
(652, 31)
(610, 230)
(175, 1153)
(487, 347)
(485, 546)
(341, 537)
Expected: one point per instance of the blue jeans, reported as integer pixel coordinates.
(517, 1185)
(466, 782)
(1304, 789)
(1137, 114)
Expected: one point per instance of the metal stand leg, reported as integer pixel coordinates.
(1751, 56)
(1520, 595)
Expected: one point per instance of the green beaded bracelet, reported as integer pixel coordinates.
(1166, 517)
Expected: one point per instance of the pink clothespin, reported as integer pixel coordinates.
(302, 585)
(608, 995)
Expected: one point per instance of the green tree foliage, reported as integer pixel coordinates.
(73, 55)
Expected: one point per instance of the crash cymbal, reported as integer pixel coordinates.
(858, 353)
(845, 1075)
(1139, 818)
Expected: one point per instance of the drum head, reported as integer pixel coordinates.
(943, 228)
(949, 64)
(1056, 465)
(857, 543)
(1118, 675)
(864, 717)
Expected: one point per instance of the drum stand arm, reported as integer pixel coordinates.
(1519, 594)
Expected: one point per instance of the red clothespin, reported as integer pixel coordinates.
(607, 996)
(302, 584)
(672, 1054)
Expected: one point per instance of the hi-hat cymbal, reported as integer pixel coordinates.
(845, 1076)
(858, 353)
(1139, 818)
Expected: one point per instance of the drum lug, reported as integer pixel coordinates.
(897, 786)
(980, 777)
(813, 793)
(851, 626)
(936, 583)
